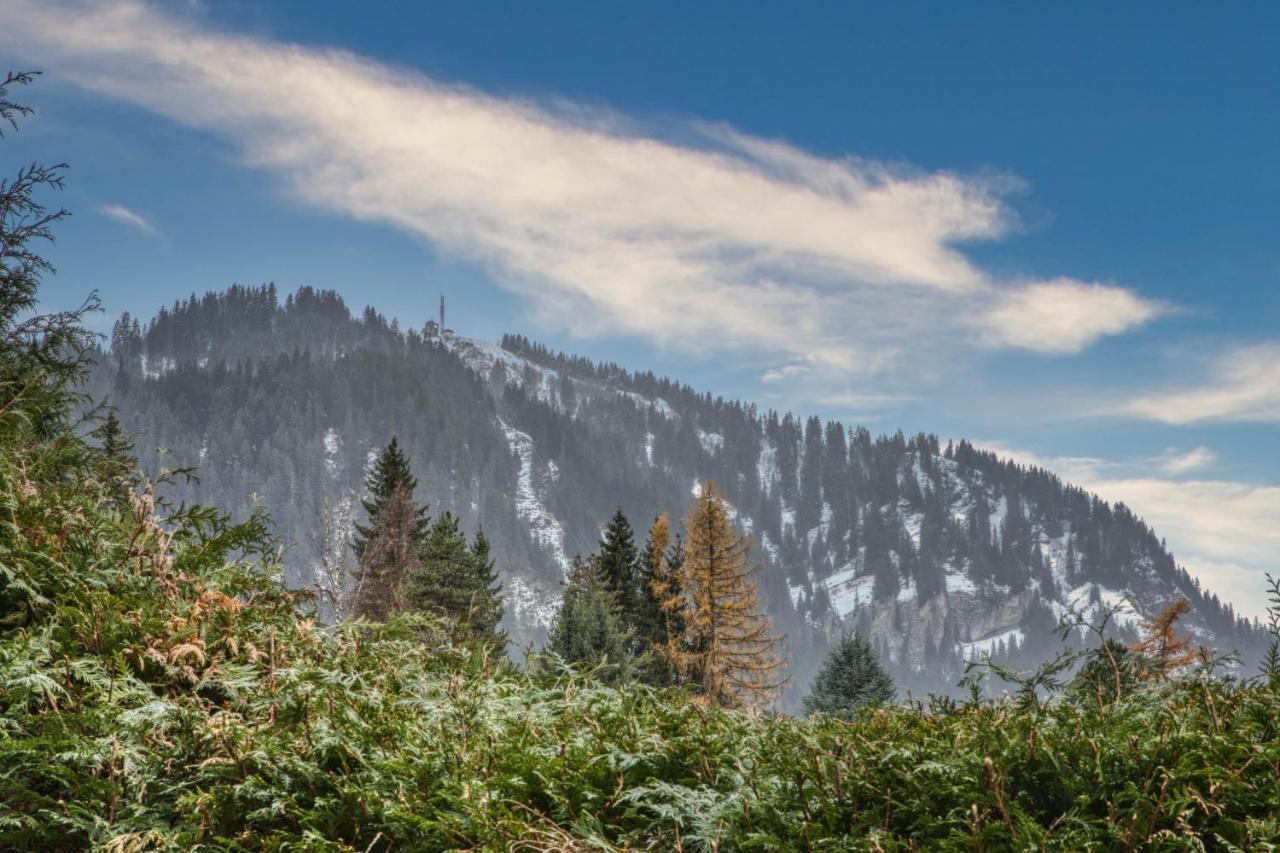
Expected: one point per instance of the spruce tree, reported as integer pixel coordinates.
(728, 639)
(457, 582)
(588, 630)
(118, 463)
(486, 608)
(390, 471)
(389, 556)
(851, 677)
(620, 565)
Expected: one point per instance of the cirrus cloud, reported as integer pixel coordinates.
(1242, 385)
(133, 219)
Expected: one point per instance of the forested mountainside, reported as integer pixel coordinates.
(936, 553)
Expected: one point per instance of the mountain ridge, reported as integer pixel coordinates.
(937, 554)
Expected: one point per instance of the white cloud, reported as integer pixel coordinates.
(1180, 462)
(1243, 385)
(787, 371)
(1063, 315)
(134, 220)
(856, 400)
(721, 241)
(1226, 534)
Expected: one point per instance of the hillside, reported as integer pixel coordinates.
(939, 554)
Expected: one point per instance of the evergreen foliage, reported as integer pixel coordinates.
(663, 624)
(588, 630)
(458, 583)
(390, 472)
(851, 678)
(42, 356)
(389, 557)
(619, 562)
(117, 452)
(1270, 665)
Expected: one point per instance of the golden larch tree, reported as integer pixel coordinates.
(1162, 645)
(728, 639)
(665, 586)
(666, 614)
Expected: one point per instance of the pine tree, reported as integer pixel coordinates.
(620, 565)
(588, 630)
(390, 471)
(389, 556)
(850, 678)
(457, 582)
(728, 640)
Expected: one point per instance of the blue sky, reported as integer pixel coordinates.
(1050, 231)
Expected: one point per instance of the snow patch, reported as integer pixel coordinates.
(911, 522)
(544, 528)
(767, 466)
(154, 370)
(531, 604)
(847, 591)
(331, 445)
(656, 404)
(712, 442)
(959, 583)
(988, 645)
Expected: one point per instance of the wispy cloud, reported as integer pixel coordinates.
(718, 241)
(787, 371)
(1225, 533)
(133, 219)
(1242, 384)
(1182, 462)
(857, 400)
(1064, 315)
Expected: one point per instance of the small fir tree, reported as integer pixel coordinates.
(119, 466)
(850, 678)
(390, 471)
(485, 616)
(620, 564)
(458, 582)
(588, 630)
(728, 640)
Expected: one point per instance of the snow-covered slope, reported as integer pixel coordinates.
(936, 553)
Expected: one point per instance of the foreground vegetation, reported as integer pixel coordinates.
(160, 688)
(161, 696)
